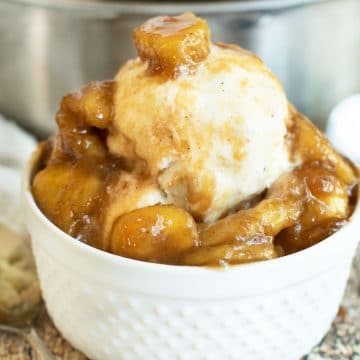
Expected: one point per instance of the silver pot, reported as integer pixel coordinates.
(51, 47)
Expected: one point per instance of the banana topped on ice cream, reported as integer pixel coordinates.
(191, 155)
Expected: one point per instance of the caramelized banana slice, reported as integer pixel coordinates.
(268, 218)
(158, 233)
(93, 106)
(81, 119)
(243, 251)
(309, 144)
(279, 210)
(173, 44)
(326, 196)
(248, 234)
(326, 205)
(297, 238)
(66, 194)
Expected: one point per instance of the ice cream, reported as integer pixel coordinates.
(210, 129)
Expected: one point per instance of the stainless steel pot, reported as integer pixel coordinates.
(51, 47)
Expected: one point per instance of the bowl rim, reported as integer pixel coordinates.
(314, 250)
(102, 7)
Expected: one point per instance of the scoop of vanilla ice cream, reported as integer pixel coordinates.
(210, 138)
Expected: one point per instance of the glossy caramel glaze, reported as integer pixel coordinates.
(173, 44)
(116, 204)
(78, 178)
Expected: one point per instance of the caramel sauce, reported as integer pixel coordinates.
(70, 188)
(173, 45)
(79, 180)
(169, 25)
(78, 176)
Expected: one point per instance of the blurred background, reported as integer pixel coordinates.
(51, 47)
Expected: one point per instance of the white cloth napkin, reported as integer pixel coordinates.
(15, 148)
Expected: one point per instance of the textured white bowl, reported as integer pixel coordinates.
(111, 307)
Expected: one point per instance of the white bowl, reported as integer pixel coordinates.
(112, 307)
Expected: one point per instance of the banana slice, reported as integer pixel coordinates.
(158, 233)
(173, 44)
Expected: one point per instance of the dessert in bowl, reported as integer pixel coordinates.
(152, 208)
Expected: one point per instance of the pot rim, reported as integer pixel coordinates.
(154, 8)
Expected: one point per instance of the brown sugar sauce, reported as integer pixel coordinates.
(78, 177)
(300, 209)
